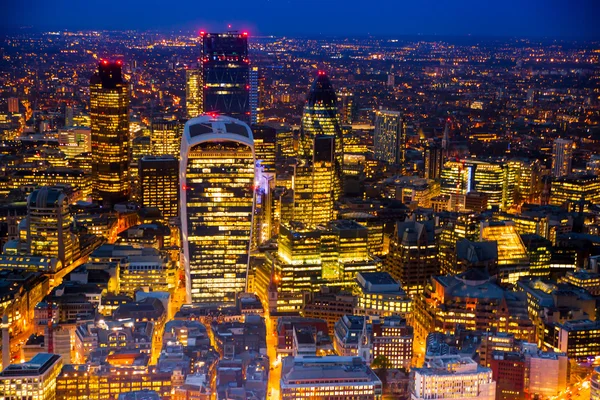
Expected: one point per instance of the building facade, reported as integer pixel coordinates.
(109, 107)
(226, 75)
(389, 137)
(159, 184)
(217, 200)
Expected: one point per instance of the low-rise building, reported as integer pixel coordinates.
(452, 377)
(35, 379)
(342, 378)
(578, 339)
(380, 294)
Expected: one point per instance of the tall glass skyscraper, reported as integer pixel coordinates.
(562, 157)
(217, 178)
(318, 181)
(389, 141)
(194, 91)
(109, 103)
(226, 74)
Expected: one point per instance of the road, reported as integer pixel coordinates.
(275, 371)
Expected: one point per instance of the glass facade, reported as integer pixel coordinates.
(226, 75)
(194, 92)
(109, 103)
(166, 137)
(389, 137)
(320, 118)
(159, 182)
(217, 199)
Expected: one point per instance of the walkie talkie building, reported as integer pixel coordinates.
(217, 199)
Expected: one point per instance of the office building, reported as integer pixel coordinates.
(165, 137)
(452, 377)
(587, 280)
(159, 184)
(548, 374)
(348, 333)
(578, 339)
(391, 342)
(513, 260)
(539, 251)
(257, 88)
(226, 75)
(412, 259)
(320, 119)
(74, 141)
(434, 161)
(307, 259)
(316, 184)
(345, 101)
(508, 371)
(389, 139)
(109, 107)
(217, 199)
(575, 191)
(126, 373)
(265, 147)
(593, 165)
(49, 223)
(474, 301)
(342, 378)
(562, 157)
(20, 291)
(329, 306)
(34, 379)
(464, 227)
(194, 91)
(379, 294)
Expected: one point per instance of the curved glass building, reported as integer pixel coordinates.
(318, 176)
(217, 198)
(320, 116)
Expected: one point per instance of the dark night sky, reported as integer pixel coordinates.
(530, 18)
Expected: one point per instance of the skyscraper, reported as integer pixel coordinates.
(562, 156)
(257, 83)
(320, 118)
(194, 91)
(49, 225)
(217, 197)
(226, 74)
(109, 102)
(433, 161)
(315, 184)
(166, 137)
(389, 140)
(159, 184)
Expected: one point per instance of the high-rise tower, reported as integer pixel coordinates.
(226, 74)
(49, 225)
(217, 174)
(165, 137)
(318, 175)
(257, 88)
(109, 103)
(389, 140)
(562, 157)
(194, 91)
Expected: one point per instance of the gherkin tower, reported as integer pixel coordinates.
(319, 169)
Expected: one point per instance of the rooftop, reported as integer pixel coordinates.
(39, 364)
